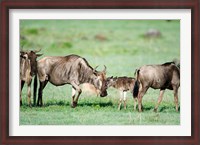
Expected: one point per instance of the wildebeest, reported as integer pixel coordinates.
(71, 69)
(90, 89)
(28, 68)
(164, 76)
(123, 84)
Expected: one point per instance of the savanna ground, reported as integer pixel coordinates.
(118, 44)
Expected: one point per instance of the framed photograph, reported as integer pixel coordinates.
(101, 51)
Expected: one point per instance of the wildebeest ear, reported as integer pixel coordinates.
(22, 56)
(94, 70)
(25, 56)
(109, 78)
(38, 55)
(21, 53)
(114, 78)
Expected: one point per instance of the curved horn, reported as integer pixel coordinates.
(94, 70)
(38, 50)
(96, 67)
(104, 68)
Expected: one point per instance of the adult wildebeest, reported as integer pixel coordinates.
(28, 68)
(123, 84)
(164, 76)
(71, 69)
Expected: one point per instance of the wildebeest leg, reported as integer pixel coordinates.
(135, 103)
(120, 100)
(42, 86)
(73, 95)
(140, 95)
(29, 94)
(159, 100)
(22, 85)
(78, 89)
(176, 97)
(35, 90)
(124, 100)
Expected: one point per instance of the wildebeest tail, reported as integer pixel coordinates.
(35, 90)
(136, 86)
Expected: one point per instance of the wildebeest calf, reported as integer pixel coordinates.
(71, 69)
(164, 76)
(123, 84)
(28, 68)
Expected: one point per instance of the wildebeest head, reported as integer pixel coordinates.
(32, 57)
(111, 81)
(100, 81)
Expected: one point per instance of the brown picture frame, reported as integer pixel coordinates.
(6, 5)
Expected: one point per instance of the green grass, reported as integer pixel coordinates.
(123, 50)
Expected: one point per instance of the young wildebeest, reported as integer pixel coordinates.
(164, 76)
(71, 69)
(28, 68)
(123, 84)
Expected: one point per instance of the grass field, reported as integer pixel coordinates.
(118, 44)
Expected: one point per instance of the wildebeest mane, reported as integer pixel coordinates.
(84, 72)
(177, 64)
(87, 63)
(78, 57)
(168, 63)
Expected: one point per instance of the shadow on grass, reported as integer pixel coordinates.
(101, 104)
(161, 108)
(166, 108)
(146, 107)
(64, 103)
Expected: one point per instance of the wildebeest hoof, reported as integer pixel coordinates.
(140, 110)
(155, 110)
(20, 103)
(39, 105)
(74, 104)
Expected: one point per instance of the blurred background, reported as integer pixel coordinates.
(122, 45)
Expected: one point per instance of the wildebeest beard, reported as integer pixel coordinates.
(33, 68)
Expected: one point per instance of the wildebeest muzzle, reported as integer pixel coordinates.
(104, 94)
